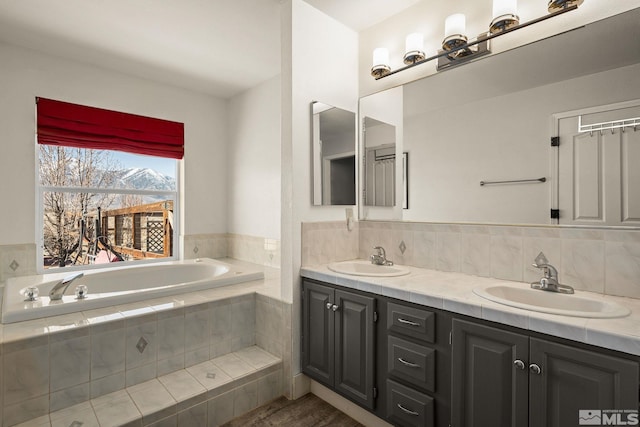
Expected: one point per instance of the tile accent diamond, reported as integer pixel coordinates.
(211, 375)
(142, 344)
(76, 424)
(402, 247)
(14, 265)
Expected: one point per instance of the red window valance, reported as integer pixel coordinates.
(73, 125)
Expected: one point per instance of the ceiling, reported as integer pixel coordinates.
(213, 46)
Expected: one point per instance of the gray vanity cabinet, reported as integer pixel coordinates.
(504, 378)
(573, 379)
(487, 388)
(338, 340)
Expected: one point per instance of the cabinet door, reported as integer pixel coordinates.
(354, 346)
(317, 333)
(488, 389)
(573, 379)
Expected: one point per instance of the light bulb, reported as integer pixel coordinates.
(380, 56)
(505, 7)
(414, 42)
(455, 24)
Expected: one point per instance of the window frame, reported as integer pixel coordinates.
(40, 190)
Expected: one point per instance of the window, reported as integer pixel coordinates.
(107, 186)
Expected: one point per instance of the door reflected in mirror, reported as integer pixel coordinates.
(333, 155)
(380, 162)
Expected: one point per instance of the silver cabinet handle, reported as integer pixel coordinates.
(407, 322)
(518, 364)
(408, 411)
(535, 369)
(404, 362)
(335, 307)
(328, 306)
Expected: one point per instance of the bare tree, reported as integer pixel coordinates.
(63, 210)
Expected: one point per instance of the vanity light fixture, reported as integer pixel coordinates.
(456, 44)
(555, 5)
(455, 27)
(414, 48)
(505, 15)
(380, 62)
(456, 47)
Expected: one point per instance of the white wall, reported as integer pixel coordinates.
(319, 63)
(497, 140)
(254, 161)
(25, 74)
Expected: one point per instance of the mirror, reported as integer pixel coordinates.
(492, 119)
(379, 140)
(334, 157)
(381, 144)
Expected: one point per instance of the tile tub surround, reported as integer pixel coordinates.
(207, 394)
(454, 292)
(599, 260)
(66, 360)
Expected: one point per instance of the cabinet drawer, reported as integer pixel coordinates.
(412, 322)
(411, 362)
(407, 407)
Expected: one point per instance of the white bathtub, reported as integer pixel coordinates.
(118, 286)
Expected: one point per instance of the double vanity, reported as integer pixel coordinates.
(420, 347)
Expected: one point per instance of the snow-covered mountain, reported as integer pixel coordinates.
(145, 178)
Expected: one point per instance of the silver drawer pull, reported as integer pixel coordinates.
(408, 411)
(407, 322)
(404, 362)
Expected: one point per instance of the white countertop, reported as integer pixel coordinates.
(454, 292)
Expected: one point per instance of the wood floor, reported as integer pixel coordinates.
(307, 411)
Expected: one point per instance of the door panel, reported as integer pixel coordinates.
(598, 181)
(317, 333)
(630, 177)
(573, 379)
(354, 348)
(487, 389)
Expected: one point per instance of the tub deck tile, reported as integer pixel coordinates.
(115, 409)
(81, 414)
(185, 389)
(179, 397)
(153, 401)
(233, 366)
(256, 357)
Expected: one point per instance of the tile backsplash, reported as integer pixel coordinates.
(20, 260)
(599, 260)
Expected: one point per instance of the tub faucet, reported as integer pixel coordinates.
(59, 288)
(550, 280)
(380, 258)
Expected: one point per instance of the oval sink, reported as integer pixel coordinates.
(552, 302)
(365, 268)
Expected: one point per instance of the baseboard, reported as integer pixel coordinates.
(351, 409)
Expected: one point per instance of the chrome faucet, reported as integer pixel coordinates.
(380, 258)
(59, 288)
(550, 280)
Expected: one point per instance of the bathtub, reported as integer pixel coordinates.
(118, 285)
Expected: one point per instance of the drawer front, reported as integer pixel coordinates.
(411, 321)
(407, 407)
(411, 362)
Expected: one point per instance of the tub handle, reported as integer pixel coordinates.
(31, 293)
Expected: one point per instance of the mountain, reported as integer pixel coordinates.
(145, 178)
